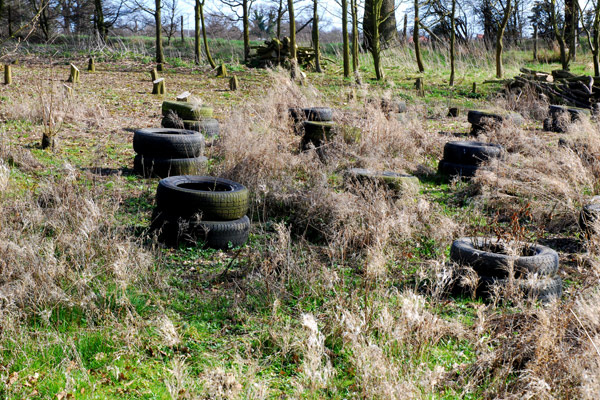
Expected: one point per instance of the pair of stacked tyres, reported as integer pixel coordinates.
(166, 152)
(191, 209)
(393, 180)
(314, 123)
(189, 116)
(464, 158)
(560, 116)
(534, 268)
(589, 217)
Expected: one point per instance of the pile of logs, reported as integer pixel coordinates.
(276, 52)
(561, 87)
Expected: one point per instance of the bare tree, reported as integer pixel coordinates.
(592, 31)
(199, 23)
(170, 21)
(345, 39)
(315, 37)
(559, 33)
(246, 6)
(417, 37)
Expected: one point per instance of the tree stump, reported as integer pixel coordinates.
(153, 74)
(159, 86)
(47, 141)
(91, 65)
(222, 71)
(74, 77)
(420, 87)
(7, 74)
(233, 83)
(474, 87)
(453, 112)
(183, 96)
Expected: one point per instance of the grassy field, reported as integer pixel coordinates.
(340, 292)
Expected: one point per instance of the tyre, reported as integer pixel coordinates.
(208, 127)
(216, 199)
(168, 143)
(311, 114)
(589, 216)
(453, 169)
(544, 289)
(393, 106)
(575, 113)
(393, 180)
(175, 230)
(487, 257)
(164, 167)
(548, 125)
(480, 117)
(186, 111)
(316, 131)
(471, 153)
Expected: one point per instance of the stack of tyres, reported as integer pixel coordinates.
(184, 115)
(464, 158)
(315, 124)
(201, 208)
(534, 268)
(165, 152)
(561, 116)
(481, 121)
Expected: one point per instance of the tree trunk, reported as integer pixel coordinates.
(571, 27)
(279, 15)
(160, 57)
(345, 41)
(405, 28)
(535, 42)
(564, 58)
(182, 33)
(375, 42)
(387, 19)
(10, 21)
(416, 37)
(292, 29)
(500, 38)
(315, 37)
(99, 18)
(452, 41)
(596, 41)
(246, 26)
(355, 49)
(197, 50)
(212, 63)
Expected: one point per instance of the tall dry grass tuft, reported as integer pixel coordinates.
(60, 247)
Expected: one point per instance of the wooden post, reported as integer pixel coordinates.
(154, 74)
(159, 86)
(233, 83)
(474, 87)
(420, 87)
(74, 77)
(222, 71)
(183, 96)
(68, 90)
(91, 65)
(7, 74)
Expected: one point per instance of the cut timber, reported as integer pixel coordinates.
(420, 87)
(91, 65)
(183, 96)
(233, 83)
(154, 74)
(7, 74)
(222, 71)
(68, 90)
(74, 77)
(159, 86)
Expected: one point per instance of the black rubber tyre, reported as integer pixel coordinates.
(186, 111)
(480, 117)
(311, 114)
(208, 127)
(316, 131)
(454, 169)
(589, 215)
(544, 289)
(393, 106)
(217, 199)
(575, 113)
(174, 230)
(168, 143)
(549, 125)
(471, 153)
(393, 180)
(164, 167)
(465, 251)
